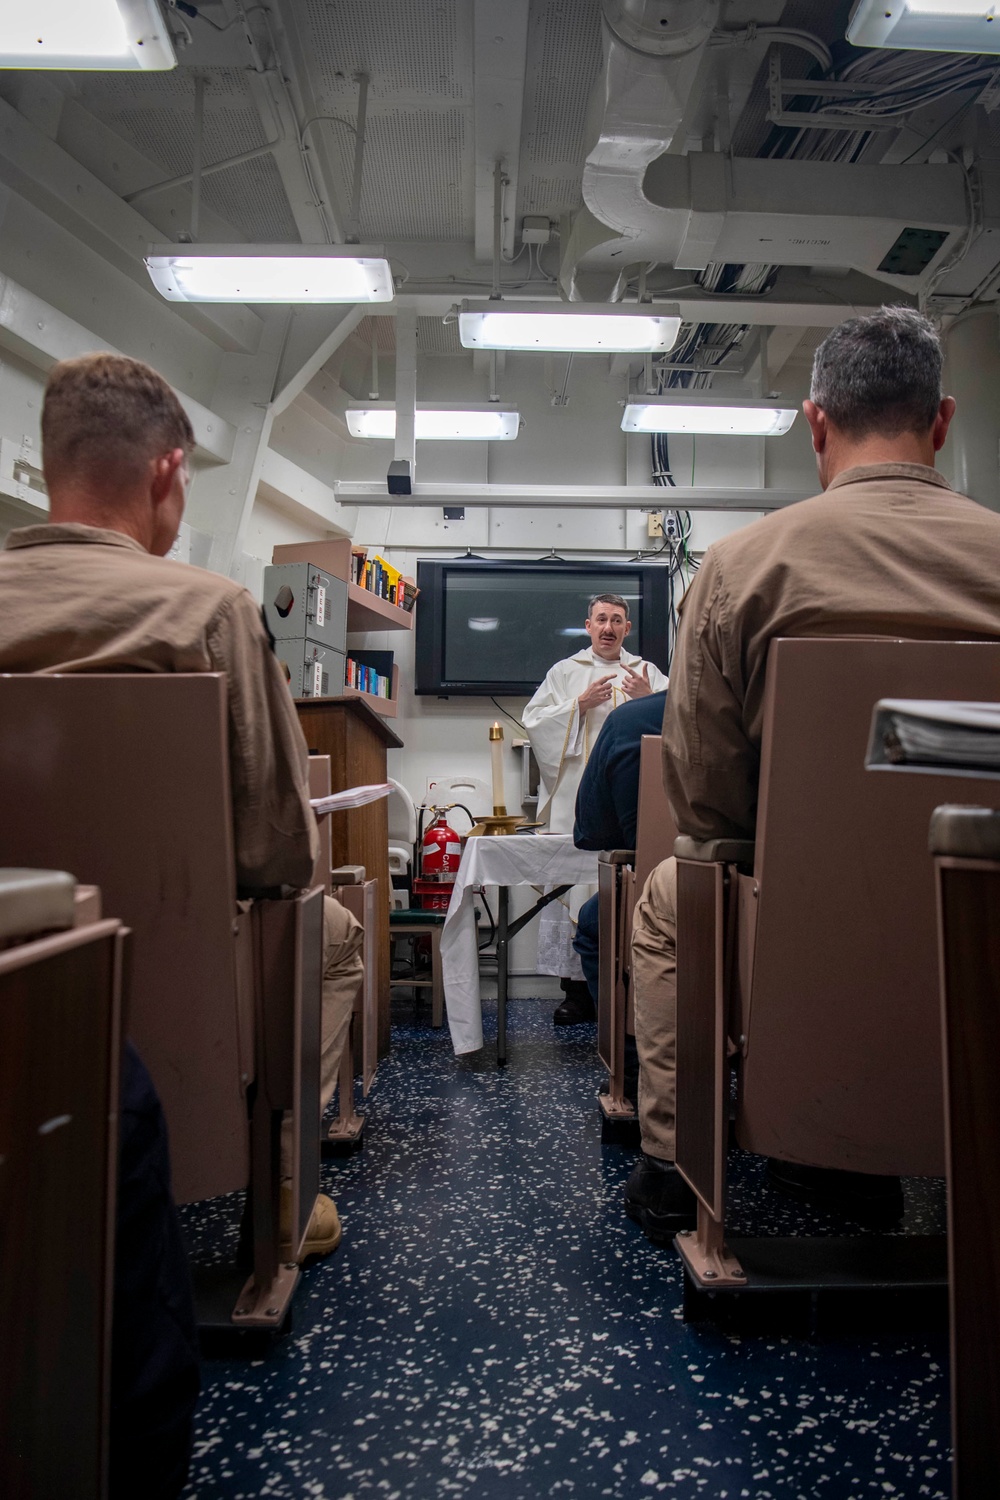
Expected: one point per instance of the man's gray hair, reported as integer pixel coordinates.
(608, 599)
(880, 375)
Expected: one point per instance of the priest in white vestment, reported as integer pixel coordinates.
(563, 721)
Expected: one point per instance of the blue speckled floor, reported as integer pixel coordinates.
(493, 1325)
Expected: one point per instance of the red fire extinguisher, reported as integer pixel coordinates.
(440, 857)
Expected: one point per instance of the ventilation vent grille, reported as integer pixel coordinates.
(564, 57)
(415, 176)
(433, 336)
(403, 47)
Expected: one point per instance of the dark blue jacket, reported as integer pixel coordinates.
(608, 800)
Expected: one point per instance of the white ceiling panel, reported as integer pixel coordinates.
(420, 49)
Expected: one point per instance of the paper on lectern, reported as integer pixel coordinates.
(353, 796)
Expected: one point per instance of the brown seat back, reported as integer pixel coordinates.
(842, 1052)
(60, 1037)
(655, 829)
(124, 780)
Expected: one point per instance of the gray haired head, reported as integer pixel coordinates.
(879, 375)
(608, 599)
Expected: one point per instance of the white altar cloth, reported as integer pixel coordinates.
(538, 859)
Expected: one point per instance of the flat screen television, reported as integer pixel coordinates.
(495, 627)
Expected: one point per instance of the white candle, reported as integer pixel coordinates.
(496, 757)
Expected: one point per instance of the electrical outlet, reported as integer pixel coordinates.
(654, 524)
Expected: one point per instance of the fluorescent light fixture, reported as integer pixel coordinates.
(483, 622)
(926, 25)
(729, 418)
(270, 273)
(85, 34)
(441, 422)
(567, 327)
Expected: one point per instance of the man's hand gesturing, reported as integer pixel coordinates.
(598, 692)
(636, 684)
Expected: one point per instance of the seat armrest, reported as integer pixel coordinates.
(962, 832)
(617, 857)
(716, 851)
(34, 901)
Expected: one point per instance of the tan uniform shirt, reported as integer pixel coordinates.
(887, 550)
(80, 599)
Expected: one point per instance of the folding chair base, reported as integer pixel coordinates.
(619, 1122)
(345, 1137)
(227, 1305)
(810, 1286)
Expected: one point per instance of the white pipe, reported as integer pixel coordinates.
(199, 122)
(359, 160)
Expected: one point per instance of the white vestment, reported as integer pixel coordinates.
(562, 739)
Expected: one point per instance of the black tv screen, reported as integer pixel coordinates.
(488, 627)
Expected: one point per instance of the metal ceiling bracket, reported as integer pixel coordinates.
(804, 119)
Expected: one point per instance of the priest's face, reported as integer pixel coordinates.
(607, 627)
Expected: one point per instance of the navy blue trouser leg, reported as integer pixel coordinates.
(585, 944)
(154, 1360)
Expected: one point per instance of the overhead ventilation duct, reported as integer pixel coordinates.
(653, 54)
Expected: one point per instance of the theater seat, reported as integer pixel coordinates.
(61, 1003)
(810, 954)
(124, 779)
(621, 875)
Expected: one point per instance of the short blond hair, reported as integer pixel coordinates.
(105, 416)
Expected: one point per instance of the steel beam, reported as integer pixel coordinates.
(48, 177)
(499, 57)
(41, 335)
(576, 497)
(289, 487)
(306, 352)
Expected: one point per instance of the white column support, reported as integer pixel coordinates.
(308, 349)
(222, 499)
(500, 53)
(406, 387)
(971, 374)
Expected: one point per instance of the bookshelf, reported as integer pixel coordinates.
(387, 707)
(366, 610)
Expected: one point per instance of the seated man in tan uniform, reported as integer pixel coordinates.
(92, 591)
(888, 549)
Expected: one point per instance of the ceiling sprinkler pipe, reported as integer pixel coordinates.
(661, 28)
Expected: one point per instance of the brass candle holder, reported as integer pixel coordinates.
(501, 822)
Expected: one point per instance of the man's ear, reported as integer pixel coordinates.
(816, 417)
(161, 474)
(942, 422)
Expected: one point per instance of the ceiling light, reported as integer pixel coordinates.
(567, 327)
(443, 423)
(703, 415)
(926, 25)
(126, 34)
(270, 273)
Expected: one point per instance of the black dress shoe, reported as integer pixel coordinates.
(577, 1006)
(659, 1200)
(872, 1200)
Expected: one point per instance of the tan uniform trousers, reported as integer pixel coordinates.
(654, 990)
(342, 973)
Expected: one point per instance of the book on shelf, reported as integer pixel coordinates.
(377, 576)
(408, 597)
(370, 672)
